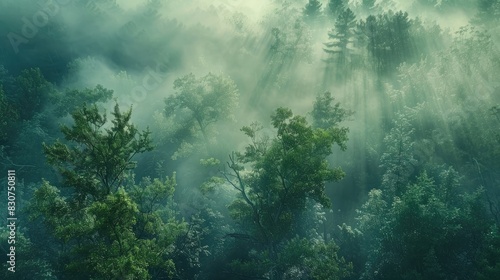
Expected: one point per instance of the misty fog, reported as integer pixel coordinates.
(264, 139)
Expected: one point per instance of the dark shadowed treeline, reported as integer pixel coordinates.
(260, 139)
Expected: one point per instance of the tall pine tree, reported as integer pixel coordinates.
(342, 36)
(312, 10)
(335, 7)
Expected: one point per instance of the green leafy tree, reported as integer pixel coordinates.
(327, 115)
(398, 159)
(351, 248)
(433, 231)
(198, 105)
(388, 40)
(284, 173)
(106, 231)
(371, 219)
(101, 159)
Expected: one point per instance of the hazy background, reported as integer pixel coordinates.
(120, 44)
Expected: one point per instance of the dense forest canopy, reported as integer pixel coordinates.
(266, 139)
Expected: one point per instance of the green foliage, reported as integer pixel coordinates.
(328, 116)
(398, 160)
(431, 231)
(299, 258)
(285, 172)
(116, 254)
(312, 259)
(335, 7)
(124, 211)
(33, 92)
(6, 79)
(8, 117)
(342, 39)
(490, 260)
(455, 125)
(97, 164)
(191, 247)
(204, 251)
(151, 197)
(71, 100)
(28, 265)
(208, 99)
(47, 199)
(388, 40)
(312, 9)
(351, 247)
(371, 215)
(199, 104)
(108, 232)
